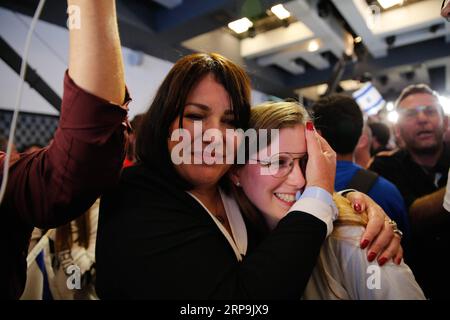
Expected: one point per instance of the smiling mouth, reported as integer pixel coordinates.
(286, 198)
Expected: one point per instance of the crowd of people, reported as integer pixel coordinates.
(305, 216)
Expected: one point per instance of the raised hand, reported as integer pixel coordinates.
(379, 235)
(321, 167)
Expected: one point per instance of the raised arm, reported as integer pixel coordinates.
(95, 62)
(53, 186)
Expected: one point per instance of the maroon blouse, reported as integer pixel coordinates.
(52, 186)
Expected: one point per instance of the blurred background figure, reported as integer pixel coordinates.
(68, 252)
(419, 170)
(381, 134)
(340, 121)
(362, 154)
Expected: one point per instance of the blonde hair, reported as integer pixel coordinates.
(267, 115)
(347, 215)
(279, 115)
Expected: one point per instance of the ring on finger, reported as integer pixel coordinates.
(395, 228)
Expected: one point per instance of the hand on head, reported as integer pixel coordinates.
(321, 167)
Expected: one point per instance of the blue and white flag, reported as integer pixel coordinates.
(39, 272)
(369, 99)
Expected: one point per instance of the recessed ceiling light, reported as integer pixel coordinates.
(280, 11)
(313, 46)
(241, 25)
(389, 3)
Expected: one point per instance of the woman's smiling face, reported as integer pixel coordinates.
(271, 195)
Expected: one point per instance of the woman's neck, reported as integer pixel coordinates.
(210, 197)
(205, 194)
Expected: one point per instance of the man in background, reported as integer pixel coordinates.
(340, 121)
(420, 170)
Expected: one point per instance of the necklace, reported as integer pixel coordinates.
(219, 216)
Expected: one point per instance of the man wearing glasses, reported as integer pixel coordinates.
(419, 170)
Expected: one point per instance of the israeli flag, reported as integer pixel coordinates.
(39, 273)
(369, 99)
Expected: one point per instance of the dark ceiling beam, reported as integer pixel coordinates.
(14, 61)
(189, 10)
(135, 13)
(196, 17)
(407, 55)
(157, 31)
(53, 12)
(438, 78)
(270, 80)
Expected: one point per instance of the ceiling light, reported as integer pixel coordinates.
(445, 103)
(389, 3)
(313, 46)
(392, 116)
(280, 11)
(241, 25)
(390, 106)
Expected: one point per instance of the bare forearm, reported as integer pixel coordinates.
(427, 210)
(95, 62)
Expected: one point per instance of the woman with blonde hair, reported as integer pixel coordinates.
(267, 187)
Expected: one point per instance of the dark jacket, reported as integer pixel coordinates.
(155, 241)
(432, 239)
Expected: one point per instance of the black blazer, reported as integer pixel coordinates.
(155, 241)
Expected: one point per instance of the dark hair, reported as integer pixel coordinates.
(380, 131)
(169, 103)
(136, 122)
(135, 125)
(415, 89)
(340, 121)
(64, 239)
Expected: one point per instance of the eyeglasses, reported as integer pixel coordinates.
(281, 164)
(412, 113)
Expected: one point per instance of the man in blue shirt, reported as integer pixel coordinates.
(340, 121)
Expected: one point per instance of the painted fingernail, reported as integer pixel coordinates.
(309, 126)
(371, 256)
(357, 207)
(398, 261)
(364, 244)
(382, 261)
